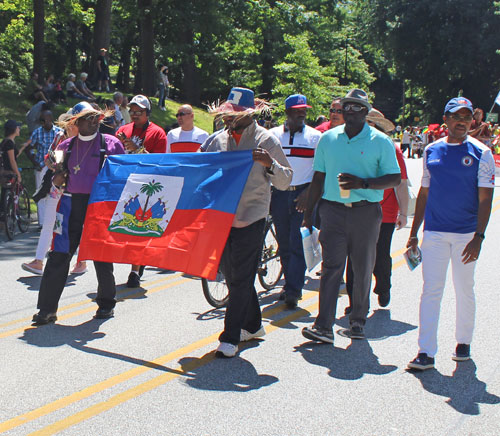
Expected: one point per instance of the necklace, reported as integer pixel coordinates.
(77, 168)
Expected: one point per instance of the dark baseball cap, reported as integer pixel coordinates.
(11, 125)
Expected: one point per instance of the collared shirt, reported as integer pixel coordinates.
(453, 173)
(369, 154)
(42, 140)
(299, 150)
(256, 197)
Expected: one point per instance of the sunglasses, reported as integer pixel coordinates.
(136, 112)
(335, 111)
(465, 118)
(181, 114)
(352, 107)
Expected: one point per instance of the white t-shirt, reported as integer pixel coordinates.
(185, 141)
(299, 150)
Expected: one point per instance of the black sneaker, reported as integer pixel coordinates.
(357, 332)
(318, 334)
(134, 281)
(422, 362)
(462, 352)
(104, 313)
(291, 302)
(42, 318)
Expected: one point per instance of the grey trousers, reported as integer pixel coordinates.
(346, 232)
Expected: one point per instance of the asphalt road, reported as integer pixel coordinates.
(151, 370)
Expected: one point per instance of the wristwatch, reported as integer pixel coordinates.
(365, 184)
(479, 235)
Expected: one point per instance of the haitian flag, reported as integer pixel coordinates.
(173, 211)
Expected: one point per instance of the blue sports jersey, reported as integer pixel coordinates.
(453, 173)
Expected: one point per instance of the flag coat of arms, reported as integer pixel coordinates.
(173, 211)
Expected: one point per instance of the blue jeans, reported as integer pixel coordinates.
(161, 97)
(287, 221)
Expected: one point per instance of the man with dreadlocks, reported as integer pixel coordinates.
(239, 261)
(84, 156)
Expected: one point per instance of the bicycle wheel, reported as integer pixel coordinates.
(9, 209)
(216, 291)
(270, 269)
(23, 211)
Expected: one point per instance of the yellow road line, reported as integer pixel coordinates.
(157, 381)
(93, 307)
(81, 303)
(120, 378)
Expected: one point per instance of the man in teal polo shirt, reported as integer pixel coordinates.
(353, 165)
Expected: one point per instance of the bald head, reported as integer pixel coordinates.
(185, 117)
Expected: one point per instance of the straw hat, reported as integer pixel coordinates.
(377, 118)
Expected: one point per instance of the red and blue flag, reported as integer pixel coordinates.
(172, 211)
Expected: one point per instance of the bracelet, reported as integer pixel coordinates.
(480, 235)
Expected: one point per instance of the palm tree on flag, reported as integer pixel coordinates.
(150, 189)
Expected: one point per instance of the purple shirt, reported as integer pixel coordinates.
(83, 164)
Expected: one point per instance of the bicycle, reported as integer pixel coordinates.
(269, 271)
(16, 207)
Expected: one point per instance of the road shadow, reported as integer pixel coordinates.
(32, 282)
(379, 325)
(463, 389)
(352, 363)
(211, 314)
(209, 373)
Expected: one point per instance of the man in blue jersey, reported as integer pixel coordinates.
(455, 203)
(353, 164)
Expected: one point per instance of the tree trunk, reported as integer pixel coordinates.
(123, 77)
(38, 38)
(102, 32)
(190, 91)
(147, 47)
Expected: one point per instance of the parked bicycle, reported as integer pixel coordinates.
(269, 271)
(16, 206)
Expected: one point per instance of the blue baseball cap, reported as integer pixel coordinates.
(457, 103)
(296, 101)
(79, 107)
(239, 100)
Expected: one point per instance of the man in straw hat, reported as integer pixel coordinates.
(84, 157)
(394, 215)
(243, 320)
(353, 164)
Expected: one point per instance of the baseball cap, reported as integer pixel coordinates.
(296, 101)
(458, 103)
(79, 107)
(11, 125)
(356, 96)
(141, 101)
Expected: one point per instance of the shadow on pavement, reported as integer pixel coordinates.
(464, 390)
(235, 374)
(352, 363)
(379, 325)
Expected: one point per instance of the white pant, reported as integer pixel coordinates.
(41, 204)
(50, 209)
(437, 250)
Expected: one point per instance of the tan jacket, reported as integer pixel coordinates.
(256, 197)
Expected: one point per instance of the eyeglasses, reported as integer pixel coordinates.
(335, 111)
(181, 114)
(465, 118)
(136, 112)
(352, 107)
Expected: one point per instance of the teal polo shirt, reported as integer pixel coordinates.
(368, 155)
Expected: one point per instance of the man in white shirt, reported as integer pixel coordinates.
(299, 144)
(185, 138)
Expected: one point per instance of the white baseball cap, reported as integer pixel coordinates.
(141, 101)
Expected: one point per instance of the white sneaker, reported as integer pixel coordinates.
(225, 349)
(247, 336)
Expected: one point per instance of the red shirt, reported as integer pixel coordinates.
(323, 127)
(153, 137)
(390, 207)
